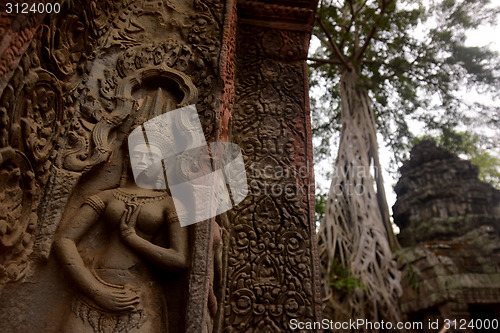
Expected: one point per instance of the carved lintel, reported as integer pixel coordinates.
(298, 16)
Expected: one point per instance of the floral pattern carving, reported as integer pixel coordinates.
(40, 112)
(35, 116)
(57, 102)
(69, 80)
(270, 273)
(18, 194)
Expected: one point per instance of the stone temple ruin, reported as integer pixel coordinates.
(79, 252)
(73, 85)
(450, 238)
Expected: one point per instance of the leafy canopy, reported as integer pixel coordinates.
(412, 57)
(470, 146)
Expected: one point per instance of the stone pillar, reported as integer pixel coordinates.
(73, 86)
(272, 272)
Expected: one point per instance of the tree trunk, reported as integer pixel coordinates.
(362, 280)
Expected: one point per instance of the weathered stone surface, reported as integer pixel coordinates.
(16, 31)
(450, 232)
(440, 197)
(272, 264)
(73, 86)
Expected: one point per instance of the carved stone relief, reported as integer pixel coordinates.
(79, 82)
(89, 75)
(450, 233)
(271, 264)
(18, 195)
(16, 32)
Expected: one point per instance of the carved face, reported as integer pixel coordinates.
(147, 166)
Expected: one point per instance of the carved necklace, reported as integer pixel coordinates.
(129, 198)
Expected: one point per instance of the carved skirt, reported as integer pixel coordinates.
(150, 317)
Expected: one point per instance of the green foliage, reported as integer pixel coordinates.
(342, 280)
(413, 59)
(320, 206)
(489, 167)
(473, 147)
(411, 278)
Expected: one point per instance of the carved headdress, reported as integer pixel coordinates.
(152, 134)
(149, 129)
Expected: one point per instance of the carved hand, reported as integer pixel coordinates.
(129, 220)
(114, 299)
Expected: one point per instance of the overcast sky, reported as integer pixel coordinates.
(484, 36)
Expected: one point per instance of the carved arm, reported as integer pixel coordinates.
(174, 258)
(114, 299)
